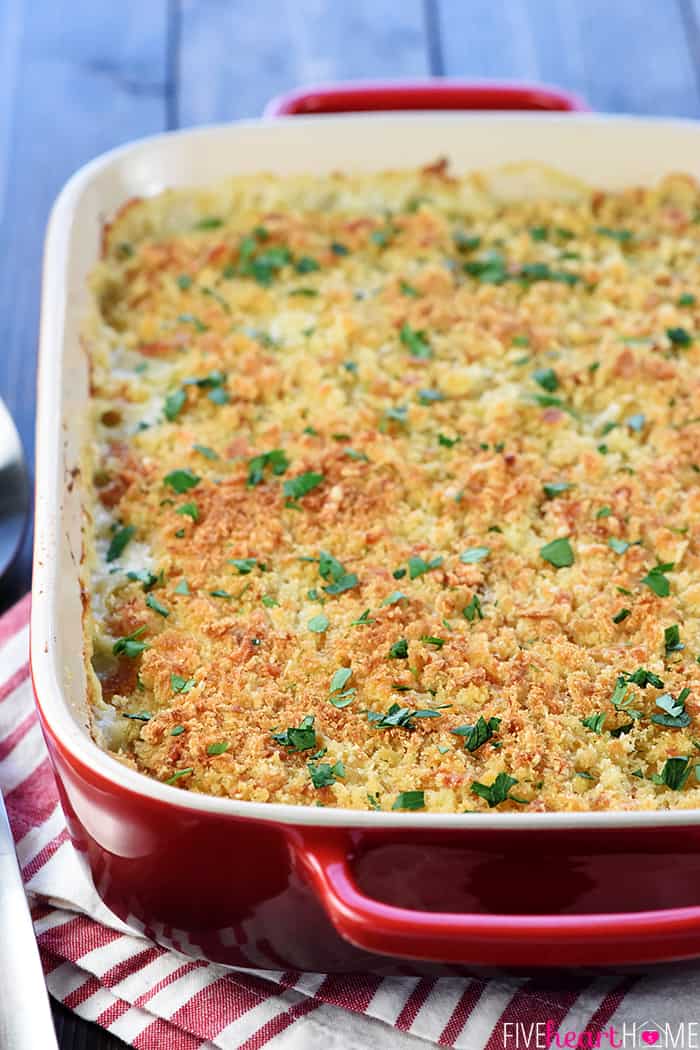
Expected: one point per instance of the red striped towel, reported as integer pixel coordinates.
(155, 998)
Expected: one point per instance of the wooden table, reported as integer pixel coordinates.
(81, 77)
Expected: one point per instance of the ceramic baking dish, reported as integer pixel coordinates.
(275, 886)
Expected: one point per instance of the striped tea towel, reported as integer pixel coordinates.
(155, 998)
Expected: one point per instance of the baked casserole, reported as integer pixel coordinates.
(395, 484)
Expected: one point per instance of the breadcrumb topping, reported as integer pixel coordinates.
(395, 492)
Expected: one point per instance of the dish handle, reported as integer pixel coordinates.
(364, 96)
(488, 939)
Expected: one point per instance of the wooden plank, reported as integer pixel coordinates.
(74, 81)
(624, 57)
(236, 55)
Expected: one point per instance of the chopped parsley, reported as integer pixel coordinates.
(298, 487)
(672, 639)
(268, 601)
(181, 480)
(429, 639)
(497, 792)
(362, 621)
(604, 512)
(395, 597)
(478, 734)
(594, 722)
(179, 773)
(418, 566)
(153, 603)
(183, 587)
(489, 269)
(174, 403)
(416, 342)
(547, 379)
(621, 615)
(399, 650)
(318, 624)
(674, 714)
(244, 565)
(474, 554)
(410, 800)
(305, 264)
(674, 774)
(332, 570)
(323, 774)
(472, 610)
(619, 546)
(184, 281)
(144, 577)
(219, 748)
(276, 461)
(408, 289)
(622, 236)
(193, 320)
(398, 717)
(205, 451)
(190, 510)
(555, 488)
(679, 336)
(210, 222)
(339, 695)
(130, 645)
(301, 738)
(447, 442)
(179, 684)
(657, 581)
(138, 716)
(558, 553)
(686, 299)
(119, 541)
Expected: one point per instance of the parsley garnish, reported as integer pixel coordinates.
(399, 650)
(138, 716)
(210, 222)
(153, 603)
(672, 639)
(447, 442)
(119, 541)
(173, 405)
(363, 620)
(594, 722)
(474, 554)
(183, 587)
(473, 610)
(497, 792)
(276, 460)
(674, 774)
(395, 597)
(674, 714)
(181, 480)
(179, 773)
(410, 800)
(558, 553)
(193, 320)
(178, 684)
(323, 774)
(415, 341)
(129, 646)
(489, 269)
(144, 577)
(622, 236)
(604, 512)
(429, 639)
(679, 336)
(555, 488)
(547, 379)
(418, 566)
(318, 624)
(408, 289)
(184, 281)
(331, 569)
(298, 487)
(619, 546)
(301, 738)
(205, 451)
(657, 581)
(621, 615)
(339, 696)
(686, 299)
(219, 748)
(479, 733)
(398, 717)
(268, 601)
(190, 510)
(244, 565)
(305, 264)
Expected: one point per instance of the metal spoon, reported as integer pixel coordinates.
(14, 490)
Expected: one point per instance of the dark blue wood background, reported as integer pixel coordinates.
(81, 76)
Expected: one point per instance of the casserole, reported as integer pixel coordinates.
(277, 886)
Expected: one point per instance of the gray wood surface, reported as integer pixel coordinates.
(81, 77)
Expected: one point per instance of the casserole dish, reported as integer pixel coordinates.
(276, 886)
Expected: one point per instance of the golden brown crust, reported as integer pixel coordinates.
(437, 359)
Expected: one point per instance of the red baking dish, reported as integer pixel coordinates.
(275, 886)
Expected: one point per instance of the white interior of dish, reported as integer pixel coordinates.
(605, 151)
